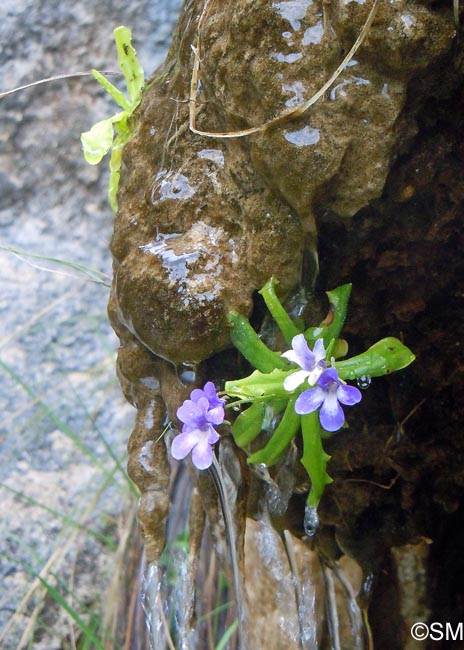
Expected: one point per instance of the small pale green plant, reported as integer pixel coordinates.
(113, 132)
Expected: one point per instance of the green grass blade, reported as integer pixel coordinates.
(114, 92)
(57, 421)
(93, 274)
(64, 518)
(63, 603)
(106, 444)
(226, 636)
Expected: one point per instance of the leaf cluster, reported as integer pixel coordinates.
(269, 400)
(113, 132)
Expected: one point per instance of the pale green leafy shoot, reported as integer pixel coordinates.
(113, 132)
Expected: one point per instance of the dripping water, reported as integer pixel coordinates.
(153, 607)
(311, 521)
(167, 586)
(354, 612)
(364, 381)
(187, 373)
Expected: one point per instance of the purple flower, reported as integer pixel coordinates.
(312, 364)
(199, 413)
(328, 392)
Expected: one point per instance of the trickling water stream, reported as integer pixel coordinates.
(184, 594)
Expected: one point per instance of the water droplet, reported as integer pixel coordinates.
(187, 373)
(303, 137)
(313, 35)
(214, 155)
(171, 185)
(277, 499)
(311, 521)
(364, 381)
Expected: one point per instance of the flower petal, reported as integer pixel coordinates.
(328, 379)
(202, 454)
(319, 350)
(196, 394)
(306, 358)
(348, 395)
(203, 403)
(183, 443)
(210, 392)
(295, 379)
(331, 414)
(213, 436)
(309, 401)
(215, 415)
(314, 375)
(291, 356)
(191, 413)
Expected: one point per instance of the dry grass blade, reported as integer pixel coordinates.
(37, 316)
(57, 77)
(285, 116)
(331, 608)
(290, 550)
(93, 275)
(216, 473)
(354, 612)
(167, 631)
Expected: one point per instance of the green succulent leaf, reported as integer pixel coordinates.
(340, 348)
(246, 340)
(314, 458)
(280, 439)
(115, 173)
(114, 92)
(98, 141)
(259, 384)
(248, 424)
(382, 358)
(278, 313)
(338, 301)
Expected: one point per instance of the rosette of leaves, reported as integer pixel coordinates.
(264, 388)
(113, 132)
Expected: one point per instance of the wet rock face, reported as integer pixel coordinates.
(197, 233)
(203, 223)
(262, 58)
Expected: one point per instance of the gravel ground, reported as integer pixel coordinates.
(62, 414)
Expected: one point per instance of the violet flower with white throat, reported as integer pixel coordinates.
(198, 415)
(330, 390)
(312, 363)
